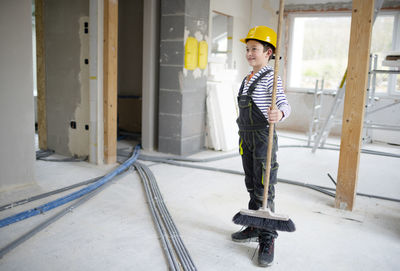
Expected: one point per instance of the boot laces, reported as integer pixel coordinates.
(267, 244)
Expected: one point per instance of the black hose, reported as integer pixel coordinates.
(330, 177)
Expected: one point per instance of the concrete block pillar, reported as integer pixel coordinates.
(182, 92)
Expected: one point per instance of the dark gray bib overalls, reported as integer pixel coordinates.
(253, 144)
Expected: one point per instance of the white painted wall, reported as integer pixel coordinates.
(96, 131)
(150, 74)
(16, 94)
(241, 12)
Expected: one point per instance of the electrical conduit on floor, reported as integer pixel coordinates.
(177, 255)
(88, 195)
(63, 200)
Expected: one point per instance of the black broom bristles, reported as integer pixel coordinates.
(264, 223)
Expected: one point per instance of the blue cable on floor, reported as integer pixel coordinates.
(53, 204)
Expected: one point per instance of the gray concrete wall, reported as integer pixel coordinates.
(182, 92)
(67, 76)
(16, 94)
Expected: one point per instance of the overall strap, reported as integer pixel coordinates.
(253, 85)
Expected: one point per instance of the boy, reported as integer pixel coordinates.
(254, 101)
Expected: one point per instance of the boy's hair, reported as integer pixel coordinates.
(266, 46)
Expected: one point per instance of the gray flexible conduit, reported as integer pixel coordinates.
(311, 186)
(338, 149)
(47, 194)
(51, 220)
(176, 252)
(172, 261)
(146, 174)
(43, 154)
(177, 255)
(195, 160)
(105, 180)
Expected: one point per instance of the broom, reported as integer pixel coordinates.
(264, 218)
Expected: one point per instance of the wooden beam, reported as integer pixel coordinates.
(41, 74)
(354, 103)
(110, 80)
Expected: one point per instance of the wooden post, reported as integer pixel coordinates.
(354, 103)
(110, 80)
(41, 74)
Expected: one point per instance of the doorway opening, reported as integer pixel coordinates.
(130, 51)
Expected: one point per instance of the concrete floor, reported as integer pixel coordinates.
(114, 230)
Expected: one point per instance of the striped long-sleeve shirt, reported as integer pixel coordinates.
(262, 94)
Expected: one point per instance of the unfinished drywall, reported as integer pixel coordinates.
(67, 76)
(16, 94)
(79, 137)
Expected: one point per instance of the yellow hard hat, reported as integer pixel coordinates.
(261, 33)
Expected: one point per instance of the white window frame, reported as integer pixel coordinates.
(391, 91)
(395, 47)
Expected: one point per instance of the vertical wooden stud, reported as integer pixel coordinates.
(354, 103)
(110, 80)
(41, 74)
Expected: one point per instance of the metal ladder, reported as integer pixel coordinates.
(370, 98)
(315, 121)
(323, 133)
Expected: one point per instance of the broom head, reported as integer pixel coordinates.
(264, 219)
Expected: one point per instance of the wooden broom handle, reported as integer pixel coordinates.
(273, 106)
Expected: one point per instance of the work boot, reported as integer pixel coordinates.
(266, 251)
(249, 234)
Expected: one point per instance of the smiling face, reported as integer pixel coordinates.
(256, 56)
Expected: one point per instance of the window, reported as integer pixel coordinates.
(384, 35)
(319, 49)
